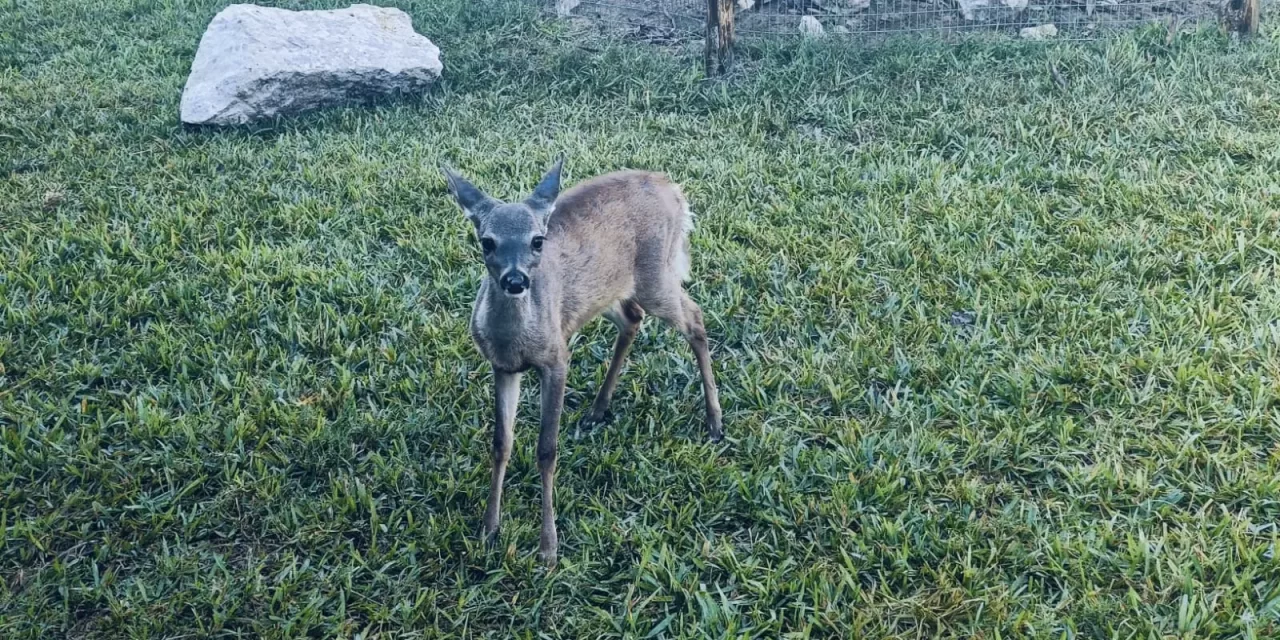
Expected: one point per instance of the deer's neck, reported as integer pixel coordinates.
(502, 312)
(508, 323)
(512, 332)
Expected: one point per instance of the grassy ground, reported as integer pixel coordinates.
(998, 358)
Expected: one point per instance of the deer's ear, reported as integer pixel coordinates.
(474, 202)
(544, 195)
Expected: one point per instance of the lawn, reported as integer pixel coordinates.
(999, 358)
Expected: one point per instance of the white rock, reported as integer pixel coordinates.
(969, 8)
(258, 62)
(1041, 32)
(746, 5)
(563, 7)
(1016, 5)
(811, 28)
(846, 7)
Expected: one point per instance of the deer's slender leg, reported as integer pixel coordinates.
(627, 316)
(680, 311)
(696, 333)
(506, 388)
(553, 379)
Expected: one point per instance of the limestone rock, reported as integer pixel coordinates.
(969, 8)
(1042, 32)
(811, 28)
(565, 7)
(256, 63)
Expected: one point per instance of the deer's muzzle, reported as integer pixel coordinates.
(514, 282)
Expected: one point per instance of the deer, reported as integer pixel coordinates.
(615, 245)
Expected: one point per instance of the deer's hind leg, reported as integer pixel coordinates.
(626, 315)
(675, 306)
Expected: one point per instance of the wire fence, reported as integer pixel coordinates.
(672, 21)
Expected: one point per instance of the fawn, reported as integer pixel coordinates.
(616, 244)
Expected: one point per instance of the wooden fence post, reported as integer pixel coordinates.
(1252, 16)
(1242, 16)
(719, 53)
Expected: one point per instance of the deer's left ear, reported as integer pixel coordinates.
(544, 196)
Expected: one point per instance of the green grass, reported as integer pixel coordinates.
(238, 397)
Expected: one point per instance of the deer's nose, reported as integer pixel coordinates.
(514, 282)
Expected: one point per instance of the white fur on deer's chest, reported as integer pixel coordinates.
(507, 352)
(511, 342)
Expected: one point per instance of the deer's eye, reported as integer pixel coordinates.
(537, 243)
(487, 244)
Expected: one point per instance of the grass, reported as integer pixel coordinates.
(998, 358)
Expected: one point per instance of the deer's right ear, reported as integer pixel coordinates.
(474, 202)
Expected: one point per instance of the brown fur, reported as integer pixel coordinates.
(615, 245)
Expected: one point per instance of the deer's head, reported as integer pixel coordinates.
(511, 234)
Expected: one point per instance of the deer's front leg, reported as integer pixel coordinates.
(506, 387)
(553, 379)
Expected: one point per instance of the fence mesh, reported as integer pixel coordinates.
(683, 20)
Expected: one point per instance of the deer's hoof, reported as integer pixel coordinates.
(490, 537)
(548, 558)
(548, 545)
(715, 432)
(591, 421)
(547, 553)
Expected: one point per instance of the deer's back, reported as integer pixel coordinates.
(635, 201)
(613, 233)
